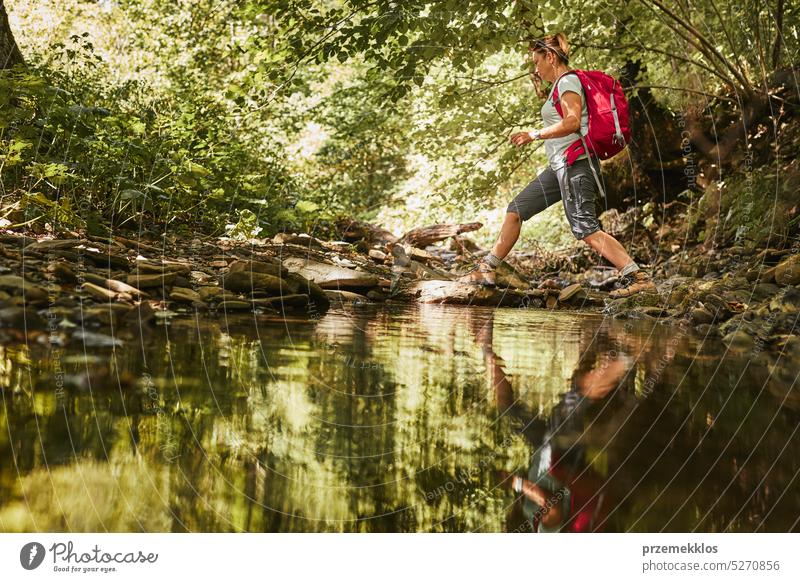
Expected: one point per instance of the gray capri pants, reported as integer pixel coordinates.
(574, 185)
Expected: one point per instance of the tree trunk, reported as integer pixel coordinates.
(9, 51)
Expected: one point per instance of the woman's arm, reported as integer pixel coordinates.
(571, 106)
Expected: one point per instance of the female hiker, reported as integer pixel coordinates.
(574, 185)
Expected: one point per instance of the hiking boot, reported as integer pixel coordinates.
(483, 274)
(636, 282)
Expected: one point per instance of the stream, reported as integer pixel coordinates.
(398, 418)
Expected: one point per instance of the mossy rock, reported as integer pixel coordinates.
(631, 303)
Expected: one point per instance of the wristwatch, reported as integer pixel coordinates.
(516, 484)
(535, 134)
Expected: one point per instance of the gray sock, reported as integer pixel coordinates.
(492, 260)
(629, 268)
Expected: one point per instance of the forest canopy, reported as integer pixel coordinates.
(261, 116)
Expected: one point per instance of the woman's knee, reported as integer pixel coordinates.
(513, 218)
(594, 238)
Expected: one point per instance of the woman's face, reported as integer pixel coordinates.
(543, 63)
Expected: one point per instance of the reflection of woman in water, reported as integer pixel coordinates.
(562, 491)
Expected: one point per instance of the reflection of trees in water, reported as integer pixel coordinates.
(294, 422)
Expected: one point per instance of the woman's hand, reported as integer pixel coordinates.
(523, 137)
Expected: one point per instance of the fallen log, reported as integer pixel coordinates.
(353, 230)
(426, 235)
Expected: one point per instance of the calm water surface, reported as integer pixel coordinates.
(406, 418)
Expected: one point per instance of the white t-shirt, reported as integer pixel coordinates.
(555, 147)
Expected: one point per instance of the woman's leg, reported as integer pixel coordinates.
(509, 233)
(542, 192)
(610, 248)
(580, 191)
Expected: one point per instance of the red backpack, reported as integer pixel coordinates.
(609, 127)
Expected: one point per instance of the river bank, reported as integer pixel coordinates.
(77, 288)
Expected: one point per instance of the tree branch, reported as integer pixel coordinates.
(708, 47)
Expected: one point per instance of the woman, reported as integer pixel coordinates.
(574, 185)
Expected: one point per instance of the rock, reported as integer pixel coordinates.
(601, 278)
(569, 292)
(738, 323)
(343, 262)
(113, 285)
(19, 241)
(375, 295)
(21, 318)
(121, 287)
(701, 315)
(718, 306)
(100, 293)
(330, 276)
(19, 286)
(766, 276)
(346, 297)
(423, 271)
(304, 240)
(787, 272)
(93, 278)
(274, 269)
(201, 277)
(181, 281)
(218, 264)
(639, 300)
(185, 295)
(508, 276)
(247, 282)
(62, 272)
(418, 255)
(53, 244)
(67, 301)
(158, 267)
(314, 291)
(378, 255)
(764, 290)
(151, 281)
(208, 293)
(787, 301)
(739, 340)
(453, 292)
(400, 259)
(107, 260)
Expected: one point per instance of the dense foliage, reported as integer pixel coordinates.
(280, 114)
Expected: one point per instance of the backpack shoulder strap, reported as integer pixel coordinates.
(556, 100)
